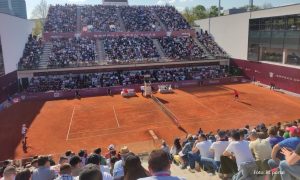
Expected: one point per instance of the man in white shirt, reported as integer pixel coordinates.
(244, 158)
(204, 157)
(219, 146)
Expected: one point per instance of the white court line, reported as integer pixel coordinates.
(116, 116)
(70, 123)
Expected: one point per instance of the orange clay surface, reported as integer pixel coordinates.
(60, 125)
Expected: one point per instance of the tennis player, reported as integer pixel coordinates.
(236, 94)
(24, 132)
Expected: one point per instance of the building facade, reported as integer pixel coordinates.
(14, 8)
(270, 35)
(14, 36)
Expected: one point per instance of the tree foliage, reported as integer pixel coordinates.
(38, 28)
(40, 11)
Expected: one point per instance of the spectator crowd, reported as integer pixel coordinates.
(61, 18)
(139, 18)
(100, 18)
(32, 52)
(245, 153)
(123, 78)
(68, 51)
(181, 48)
(242, 153)
(211, 45)
(127, 49)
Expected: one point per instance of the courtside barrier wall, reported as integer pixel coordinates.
(186, 32)
(285, 78)
(117, 89)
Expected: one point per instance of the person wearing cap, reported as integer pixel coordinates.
(9, 173)
(218, 147)
(43, 171)
(159, 166)
(118, 167)
(290, 168)
(94, 159)
(289, 143)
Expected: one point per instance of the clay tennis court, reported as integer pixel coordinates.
(56, 126)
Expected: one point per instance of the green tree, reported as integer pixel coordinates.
(213, 11)
(38, 28)
(189, 16)
(200, 12)
(267, 6)
(254, 8)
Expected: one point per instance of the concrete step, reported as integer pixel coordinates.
(158, 20)
(209, 55)
(45, 56)
(123, 29)
(100, 51)
(78, 23)
(159, 48)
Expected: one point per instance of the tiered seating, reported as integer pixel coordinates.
(61, 19)
(67, 52)
(181, 48)
(172, 19)
(32, 53)
(101, 18)
(249, 150)
(211, 45)
(62, 82)
(130, 49)
(139, 18)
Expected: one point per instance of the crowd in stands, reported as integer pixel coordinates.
(110, 165)
(106, 18)
(245, 153)
(61, 19)
(127, 49)
(139, 18)
(100, 18)
(171, 18)
(68, 51)
(212, 47)
(107, 79)
(32, 52)
(181, 48)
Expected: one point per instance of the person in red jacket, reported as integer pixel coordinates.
(236, 94)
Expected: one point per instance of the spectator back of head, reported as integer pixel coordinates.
(90, 172)
(75, 160)
(65, 169)
(42, 160)
(93, 159)
(9, 170)
(159, 161)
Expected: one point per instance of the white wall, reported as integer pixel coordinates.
(14, 32)
(231, 32)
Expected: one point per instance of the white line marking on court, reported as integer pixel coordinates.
(116, 116)
(70, 123)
